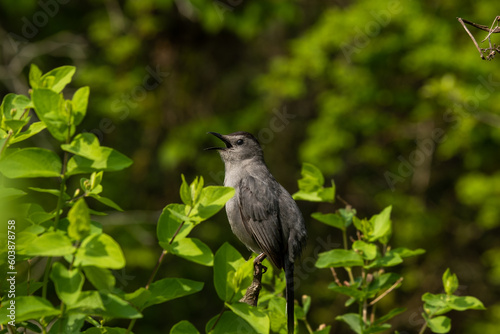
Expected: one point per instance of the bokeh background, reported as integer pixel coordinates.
(388, 98)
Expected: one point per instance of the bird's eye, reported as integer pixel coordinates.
(239, 142)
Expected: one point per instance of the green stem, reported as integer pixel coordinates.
(4, 146)
(422, 330)
(46, 277)
(157, 267)
(62, 190)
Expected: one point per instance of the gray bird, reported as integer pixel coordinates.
(262, 214)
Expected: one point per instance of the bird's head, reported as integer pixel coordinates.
(239, 146)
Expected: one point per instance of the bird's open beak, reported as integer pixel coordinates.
(221, 137)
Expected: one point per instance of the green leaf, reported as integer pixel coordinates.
(32, 130)
(450, 282)
(55, 192)
(164, 290)
(80, 102)
(53, 243)
(276, 310)
(462, 303)
(79, 220)
(380, 283)
(185, 192)
(184, 327)
(227, 261)
(50, 109)
(392, 313)
(441, 324)
(351, 291)
(12, 108)
(104, 304)
(353, 320)
(339, 258)
(68, 283)
(169, 223)
(8, 194)
(191, 249)
(30, 162)
(211, 200)
(101, 278)
(85, 145)
(389, 259)
(405, 252)
(111, 161)
(255, 317)
(61, 77)
(35, 76)
(29, 307)
(311, 186)
(381, 225)
(106, 201)
(70, 324)
(331, 219)
(312, 179)
(366, 250)
(229, 323)
(100, 250)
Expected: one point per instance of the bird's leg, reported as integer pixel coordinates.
(257, 264)
(252, 295)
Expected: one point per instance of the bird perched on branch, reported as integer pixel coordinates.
(262, 214)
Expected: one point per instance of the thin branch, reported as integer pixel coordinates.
(386, 292)
(493, 49)
(470, 35)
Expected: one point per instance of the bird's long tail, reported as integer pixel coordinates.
(289, 295)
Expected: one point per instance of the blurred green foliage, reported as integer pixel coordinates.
(389, 97)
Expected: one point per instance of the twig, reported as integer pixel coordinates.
(386, 292)
(493, 49)
(252, 295)
(470, 35)
(335, 277)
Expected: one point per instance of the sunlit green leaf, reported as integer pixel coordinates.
(61, 77)
(229, 323)
(68, 283)
(184, 327)
(49, 244)
(101, 278)
(29, 307)
(50, 109)
(381, 224)
(227, 261)
(79, 220)
(79, 102)
(450, 282)
(441, 324)
(255, 317)
(30, 162)
(163, 290)
(331, 219)
(366, 250)
(191, 249)
(339, 258)
(32, 130)
(169, 224)
(211, 200)
(100, 250)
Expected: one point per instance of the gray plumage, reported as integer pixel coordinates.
(262, 214)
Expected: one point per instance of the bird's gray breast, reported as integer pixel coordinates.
(237, 225)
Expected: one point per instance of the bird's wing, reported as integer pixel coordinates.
(259, 208)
